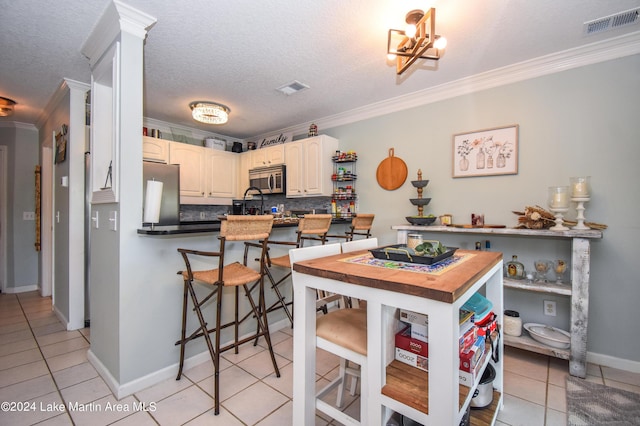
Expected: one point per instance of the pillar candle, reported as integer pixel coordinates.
(580, 188)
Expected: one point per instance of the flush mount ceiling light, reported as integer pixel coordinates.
(209, 112)
(418, 40)
(6, 106)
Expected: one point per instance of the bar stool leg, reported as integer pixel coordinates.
(183, 333)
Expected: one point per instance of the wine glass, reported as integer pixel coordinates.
(541, 268)
(559, 267)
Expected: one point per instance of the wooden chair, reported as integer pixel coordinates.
(234, 228)
(342, 332)
(345, 368)
(360, 225)
(312, 227)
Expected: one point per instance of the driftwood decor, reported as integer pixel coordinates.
(38, 185)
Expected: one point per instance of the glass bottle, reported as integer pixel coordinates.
(514, 269)
(480, 159)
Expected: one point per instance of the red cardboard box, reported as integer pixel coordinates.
(469, 359)
(405, 342)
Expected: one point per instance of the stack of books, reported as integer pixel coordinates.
(412, 344)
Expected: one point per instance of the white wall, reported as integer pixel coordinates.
(578, 122)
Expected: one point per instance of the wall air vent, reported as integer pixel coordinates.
(611, 22)
(293, 87)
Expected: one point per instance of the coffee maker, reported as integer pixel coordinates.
(237, 207)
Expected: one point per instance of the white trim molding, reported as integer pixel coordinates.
(589, 54)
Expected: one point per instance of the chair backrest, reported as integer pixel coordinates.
(355, 245)
(316, 224)
(313, 252)
(362, 221)
(243, 228)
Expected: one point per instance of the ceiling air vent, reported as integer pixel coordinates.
(293, 87)
(611, 22)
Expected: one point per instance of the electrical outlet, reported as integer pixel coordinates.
(550, 308)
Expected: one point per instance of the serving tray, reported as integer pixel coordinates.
(400, 253)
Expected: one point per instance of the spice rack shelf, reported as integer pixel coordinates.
(344, 189)
(577, 289)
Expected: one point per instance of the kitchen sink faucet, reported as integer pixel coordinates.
(244, 197)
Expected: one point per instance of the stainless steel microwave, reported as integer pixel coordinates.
(270, 180)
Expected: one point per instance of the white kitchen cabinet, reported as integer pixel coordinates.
(266, 157)
(577, 289)
(244, 164)
(309, 166)
(192, 169)
(154, 149)
(221, 173)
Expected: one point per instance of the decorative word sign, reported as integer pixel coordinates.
(275, 140)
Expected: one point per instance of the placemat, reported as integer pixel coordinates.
(438, 268)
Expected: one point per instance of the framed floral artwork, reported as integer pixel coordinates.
(486, 152)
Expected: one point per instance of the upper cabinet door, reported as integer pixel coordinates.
(266, 157)
(154, 149)
(191, 160)
(295, 169)
(221, 173)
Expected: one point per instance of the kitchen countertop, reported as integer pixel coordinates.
(213, 226)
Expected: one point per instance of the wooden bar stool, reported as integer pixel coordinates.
(234, 228)
(360, 225)
(312, 227)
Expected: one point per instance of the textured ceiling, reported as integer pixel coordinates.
(238, 52)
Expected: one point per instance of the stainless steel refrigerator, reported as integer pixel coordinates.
(169, 175)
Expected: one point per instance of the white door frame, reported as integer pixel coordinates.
(3, 219)
(46, 223)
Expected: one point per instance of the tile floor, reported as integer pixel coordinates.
(46, 367)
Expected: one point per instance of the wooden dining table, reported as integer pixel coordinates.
(388, 287)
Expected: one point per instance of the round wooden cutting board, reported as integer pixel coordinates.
(392, 172)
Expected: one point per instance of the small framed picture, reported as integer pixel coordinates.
(61, 147)
(486, 152)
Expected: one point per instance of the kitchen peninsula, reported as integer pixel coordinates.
(214, 226)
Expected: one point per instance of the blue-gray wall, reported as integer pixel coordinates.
(582, 121)
(22, 157)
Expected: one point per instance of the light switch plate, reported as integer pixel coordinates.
(113, 220)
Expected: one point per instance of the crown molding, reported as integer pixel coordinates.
(116, 19)
(18, 125)
(589, 54)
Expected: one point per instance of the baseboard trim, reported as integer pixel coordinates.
(123, 390)
(613, 362)
(21, 289)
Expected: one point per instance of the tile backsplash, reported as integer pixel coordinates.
(197, 212)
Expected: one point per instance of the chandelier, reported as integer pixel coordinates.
(6, 106)
(418, 40)
(209, 112)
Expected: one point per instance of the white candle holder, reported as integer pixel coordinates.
(559, 214)
(559, 204)
(580, 209)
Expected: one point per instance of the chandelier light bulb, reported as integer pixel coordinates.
(440, 43)
(410, 31)
(391, 56)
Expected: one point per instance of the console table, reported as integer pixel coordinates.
(578, 290)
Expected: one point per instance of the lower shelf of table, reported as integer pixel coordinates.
(410, 386)
(528, 344)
